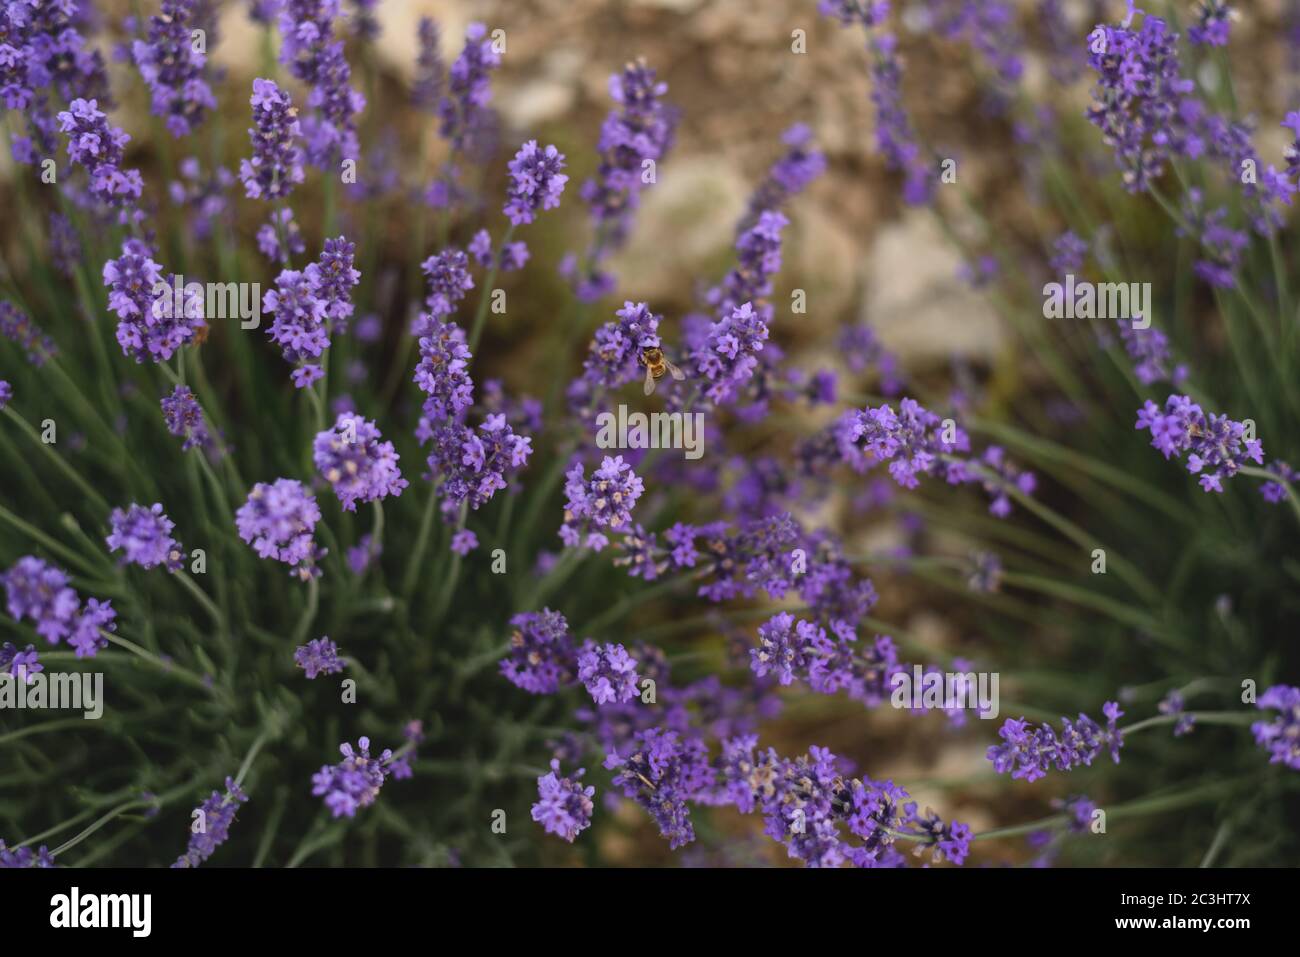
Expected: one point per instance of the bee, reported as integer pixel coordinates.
(655, 367)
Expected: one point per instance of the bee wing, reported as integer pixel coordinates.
(675, 372)
(649, 381)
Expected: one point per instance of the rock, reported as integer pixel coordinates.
(685, 224)
(915, 300)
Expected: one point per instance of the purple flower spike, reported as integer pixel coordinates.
(443, 372)
(100, 148)
(279, 520)
(18, 328)
(474, 464)
(661, 771)
(173, 69)
(1216, 446)
(276, 164)
(320, 656)
(463, 111)
(536, 182)
(355, 781)
(184, 418)
(144, 537)
(40, 592)
(449, 281)
(153, 322)
(218, 814)
(1281, 736)
(605, 501)
(543, 654)
(785, 647)
(1029, 752)
(608, 672)
(23, 664)
(464, 542)
(359, 467)
(6, 393)
(563, 805)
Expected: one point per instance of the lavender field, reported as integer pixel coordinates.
(662, 433)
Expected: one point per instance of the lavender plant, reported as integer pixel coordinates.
(387, 539)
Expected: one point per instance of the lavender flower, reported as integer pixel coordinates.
(613, 359)
(1149, 350)
(512, 257)
(269, 233)
(536, 182)
(790, 175)
(65, 245)
(333, 278)
(173, 69)
(605, 501)
(320, 656)
(474, 464)
(1213, 23)
(608, 672)
(633, 137)
(184, 419)
(1029, 752)
(313, 56)
(1138, 94)
(464, 542)
(1067, 253)
(729, 354)
(100, 148)
(1173, 705)
(218, 813)
(204, 197)
(449, 281)
(1280, 736)
(463, 110)
(144, 537)
(563, 805)
(426, 91)
(543, 654)
(894, 137)
(662, 772)
(25, 857)
(40, 592)
(914, 441)
(18, 328)
(355, 781)
(360, 467)
(23, 664)
(862, 350)
(1006, 476)
(299, 327)
(276, 165)
(151, 323)
(278, 521)
(869, 13)
(6, 393)
(1275, 492)
(443, 372)
(1215, 445)
(785, 647)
